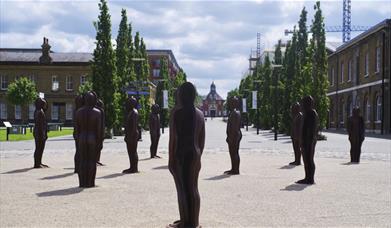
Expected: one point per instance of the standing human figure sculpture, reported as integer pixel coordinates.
(154, 130)
(79, 102)
(186, 144)
(132, 135)
(88, 132)
(356, 131)
(100, 106)
(309, 138)
(40, 132)
(296, 128)
(234, 135)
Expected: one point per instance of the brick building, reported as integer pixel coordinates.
(58, 75)
(359, 75)
(213, 103)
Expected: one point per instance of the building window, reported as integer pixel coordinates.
(342, 112)
(31, 111)
(69, 83)
(349, 107)
(156, 63)
(18, 112)
(342, 72)
(377, 57)
(55, 83)
(367, 110)
(366, 61)
(55, 111)
(32, 78)
(357, 103)
(378, 109)
(3, 82)
(350, 66)
(68, 111)
(83, 79)
(156, 72)
(3, 111)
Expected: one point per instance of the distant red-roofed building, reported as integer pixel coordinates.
(213, 103)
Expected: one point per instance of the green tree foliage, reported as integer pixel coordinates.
(84, 88)
(104, 81)
(164, 84)
(21, 92)
(319, 66)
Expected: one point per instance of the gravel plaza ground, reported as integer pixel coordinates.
(263, 195)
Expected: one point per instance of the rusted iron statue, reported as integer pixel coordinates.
(79, 102)
(234, 135)
(100, 106)
(309, 138)
(154, 130)
(88, 133)
(186, 144)
(40, 132)
(356, 130)
(132, 135)
(297, 121)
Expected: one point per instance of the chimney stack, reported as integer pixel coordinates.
(45, 57)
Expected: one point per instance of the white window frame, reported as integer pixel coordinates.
(378, 58)
(18, 112)
(3, 111)
(31, 111)
(68, 111)
(69, 83)
(156, 73)
(350, 64)
(378, 109)
(55, 83)
(342, 72)
(3, 81)
(83, 79)
(55, 114)
(366, 65)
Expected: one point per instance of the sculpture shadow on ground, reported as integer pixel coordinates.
(145, 159)
(219, 177)
(58, 176)
(350, 163)
(18, 171)
(61, 192)
(288, 167)
(295, 187)
(161, 167)
(114, 175)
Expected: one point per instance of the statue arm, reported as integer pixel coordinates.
(39, 125)
(171, 142)
(202, 136)
(99, 130)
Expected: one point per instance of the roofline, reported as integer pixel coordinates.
(379, 26)
(5, 63)
(169, 52)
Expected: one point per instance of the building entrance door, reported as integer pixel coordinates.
(213, 113)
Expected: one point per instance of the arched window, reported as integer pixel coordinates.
(349, 107)
(341, 111)
(358, 101)
(367, 109)
(378, 108)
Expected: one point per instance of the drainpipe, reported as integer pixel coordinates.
(336, 92)
(382, 83)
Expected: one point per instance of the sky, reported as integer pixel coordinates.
(211, 40)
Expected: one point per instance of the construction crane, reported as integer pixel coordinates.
(346, 27)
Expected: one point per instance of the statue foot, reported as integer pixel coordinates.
(40, 166)
(130, 170)
(294, 163)
(99, 163)
(44, 166)
(176, 224)
(305, 181)
(232, 172)
(156, 156)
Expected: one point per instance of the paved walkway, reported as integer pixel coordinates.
(263, 195)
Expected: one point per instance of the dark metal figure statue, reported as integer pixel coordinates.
(88, 133)
(309, 138)
(297, 121)
(79, 102)
(100, 106)
(234, 135)
(40, 131)
(356, 130)
(132, 135)
(154, 130)
(186, 144)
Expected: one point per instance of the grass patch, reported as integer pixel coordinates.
(29, 135)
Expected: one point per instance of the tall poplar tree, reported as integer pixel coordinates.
(319, 66)
(104, 68)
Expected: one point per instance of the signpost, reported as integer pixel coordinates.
(8, 127)
(165, 106)
(244, 108)
(255, 105)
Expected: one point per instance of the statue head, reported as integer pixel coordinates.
(79, 101)
(90, 99)
(132, 103)
(155, 109)
(99, 103)
(233, 103)
(39, 103)
(356, 112)
(307, 102)
(295, 108)
(187, 93)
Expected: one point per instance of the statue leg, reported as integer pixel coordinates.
(194, 196)
(309, 166)
(39, 148)
(312, 163)
(297, 151)
(153, 148)
(133, 157)
(235, 168)
(177, 173)
(76, 158)
(83, 164)
(352, 156)
(91, 165)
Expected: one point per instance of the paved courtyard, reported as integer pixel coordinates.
(263, 195)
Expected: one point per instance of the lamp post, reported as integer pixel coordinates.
(255, 102)
(275, 101)
(245, 105)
